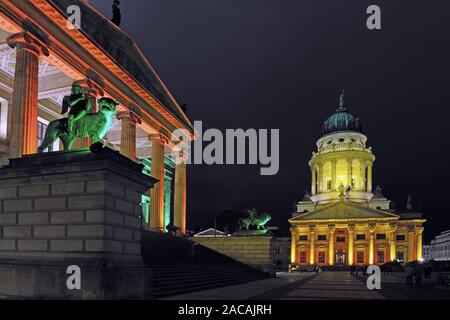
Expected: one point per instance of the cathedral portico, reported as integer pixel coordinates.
(342, 222)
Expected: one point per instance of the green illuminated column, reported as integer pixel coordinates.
(157, 192)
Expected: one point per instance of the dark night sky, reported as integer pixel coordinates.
(282, 64)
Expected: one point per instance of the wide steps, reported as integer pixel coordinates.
(174, 272)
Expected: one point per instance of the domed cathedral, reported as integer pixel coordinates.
(343, 221)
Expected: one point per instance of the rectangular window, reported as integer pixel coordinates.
(400, 256)
(303, 257)
(340, 239)
(321, 257)
(380, 256)
(360, 256)
(360, 237)
(400, 237)
(381, 236)
(303, 238)
(321, 237)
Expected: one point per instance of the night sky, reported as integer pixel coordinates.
(282, 64)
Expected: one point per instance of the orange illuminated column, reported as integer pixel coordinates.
(128, 133)
(331, 229)
(392, 242)
(419, 232)
(25, 93)
(312, 246)
(180, 194)
(371, 243)
(351, 229)
(293, 245)
(157, 192)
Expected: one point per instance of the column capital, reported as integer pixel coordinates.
(372, 227)
(351, 228)
(91, 86)
(411, 228)
(392, 227)
(128, 115)
(331, 228)
(419, 229)
(160, 137)
(25, 40)
(293, 229)
(312, 228)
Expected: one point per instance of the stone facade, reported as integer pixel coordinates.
(69, 208)
(254, 251)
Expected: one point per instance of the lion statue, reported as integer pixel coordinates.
(93, 125)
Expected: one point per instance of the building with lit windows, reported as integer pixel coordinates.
(343, 221)
(439, 248)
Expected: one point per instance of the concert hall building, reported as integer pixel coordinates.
(41, 58)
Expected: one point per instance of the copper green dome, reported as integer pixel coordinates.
(341, 120)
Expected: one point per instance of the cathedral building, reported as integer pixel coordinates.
(343, 221)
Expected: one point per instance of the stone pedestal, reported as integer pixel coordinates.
(72, 208)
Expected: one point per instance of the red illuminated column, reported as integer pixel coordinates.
(25, 93)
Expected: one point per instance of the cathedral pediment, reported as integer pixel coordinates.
(344, 210)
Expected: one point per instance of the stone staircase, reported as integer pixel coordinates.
(174, 272)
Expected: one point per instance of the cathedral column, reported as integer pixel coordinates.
(333, 175)
(294, 237)
(320, 184)
(369, 176)
(313, 180)
(25, 93)
(419, 232)
(157, 192)
(351, 229)
(128, 133)
(312, 246)
(392, 242)
(410, 243)
(180, 194)
(331, 229)
(371, 243)
(349, 172)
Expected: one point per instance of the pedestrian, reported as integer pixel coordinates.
(409, 274)
(419, 274)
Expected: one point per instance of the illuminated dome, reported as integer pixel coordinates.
(341, 120)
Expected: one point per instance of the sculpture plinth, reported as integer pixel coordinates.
(72, 208)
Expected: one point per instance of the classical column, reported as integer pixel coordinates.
(128, 133)
(333, 175)
(313, 180)
(157, 192)
(180, 194)
(320, 184)
(419, 232)
(349, 172)
(369, 176)
(25, 93)
(392, 242)
(410, 243)
(312, 246)
(371, 243)
(351, 229)
(94, 91)
(294, 237)
(331, 253)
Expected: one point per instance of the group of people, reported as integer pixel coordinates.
(418, 271)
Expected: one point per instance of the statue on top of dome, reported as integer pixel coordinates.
(341, 98)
